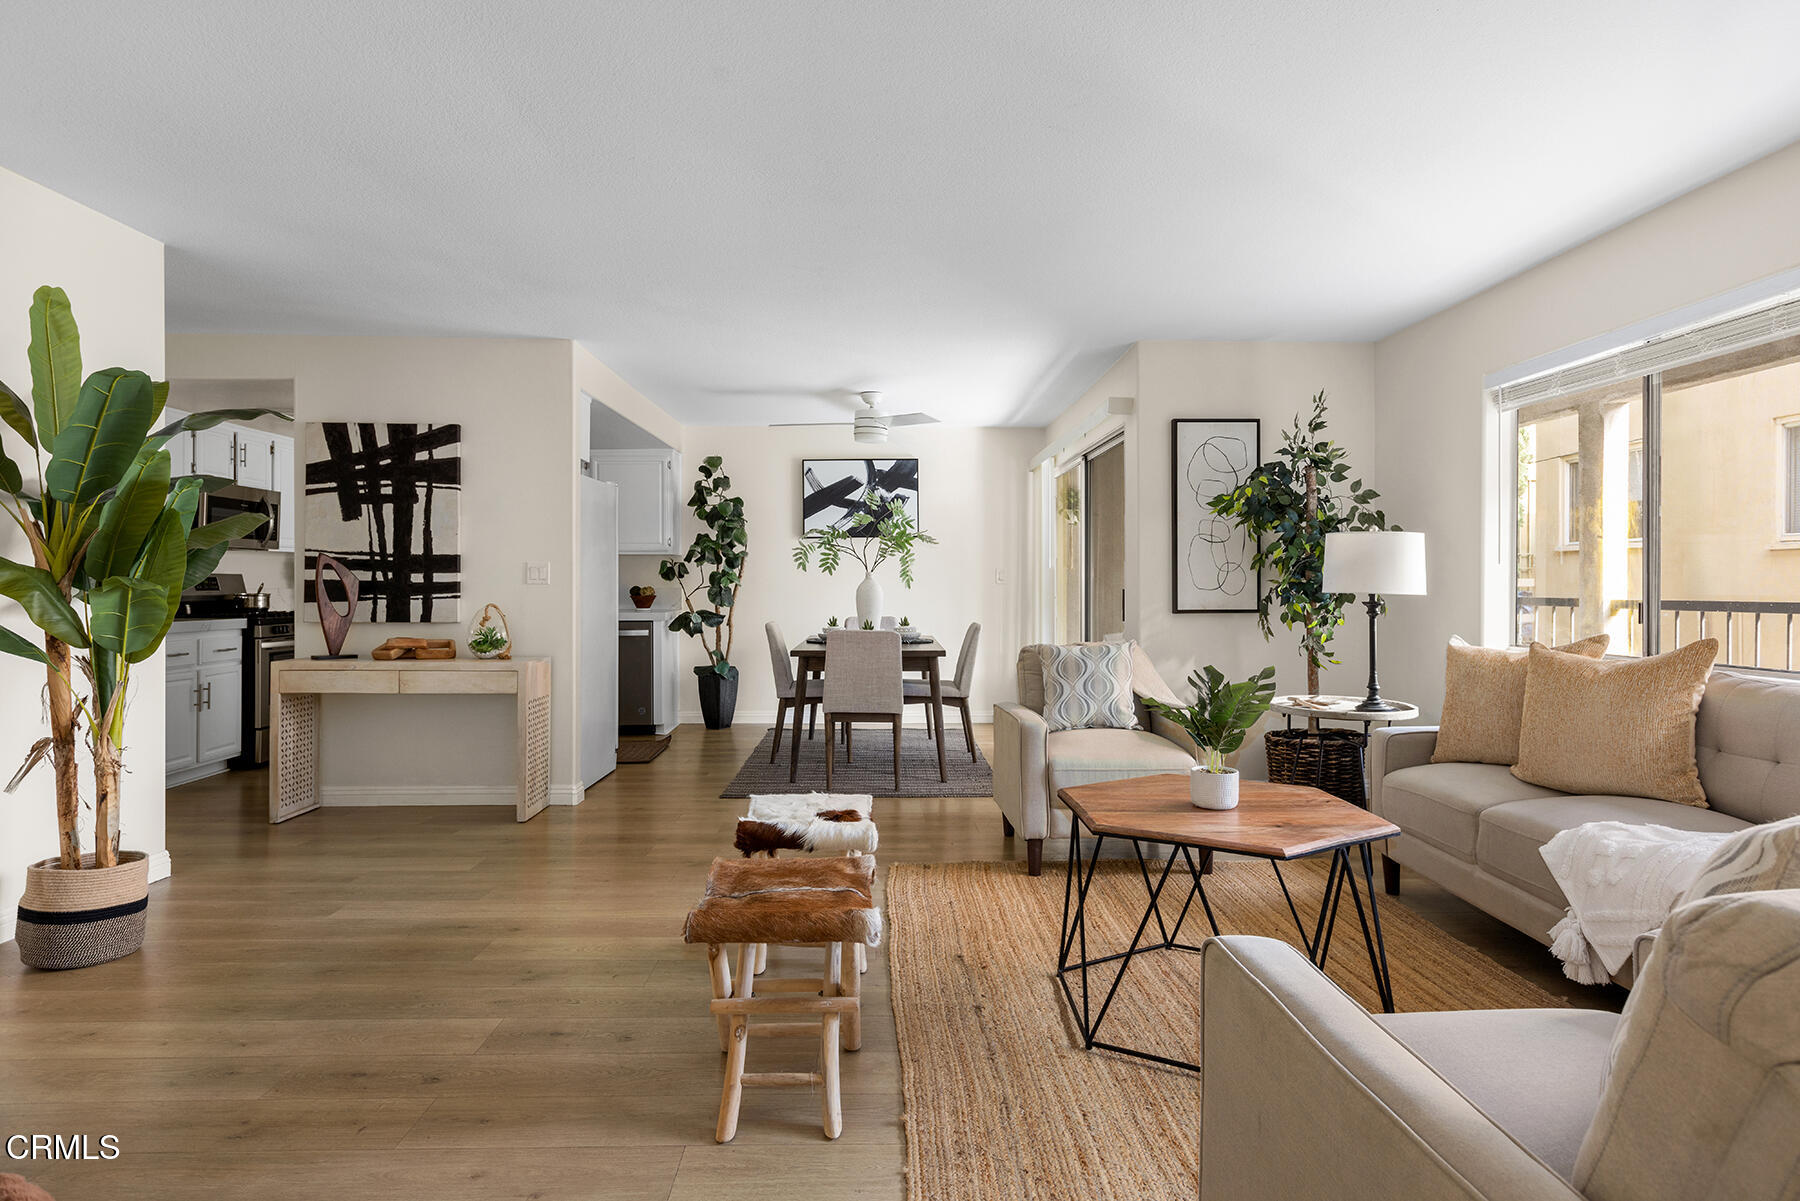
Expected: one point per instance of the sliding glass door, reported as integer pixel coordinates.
(1089, 542)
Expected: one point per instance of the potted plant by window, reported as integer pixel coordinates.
(893, 537)
(716, 561)
(1218, 721)
(113, 544)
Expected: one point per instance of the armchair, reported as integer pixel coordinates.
(1031, 763)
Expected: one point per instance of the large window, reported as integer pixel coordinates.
(1665, 508)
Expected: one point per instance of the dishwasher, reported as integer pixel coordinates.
(637, 677)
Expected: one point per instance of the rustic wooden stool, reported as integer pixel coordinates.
(824, 823)
(823, 903)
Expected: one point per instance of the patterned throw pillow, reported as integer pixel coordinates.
(1484, 700)
(1088, 686)
(1623, 728)
(1758, 859)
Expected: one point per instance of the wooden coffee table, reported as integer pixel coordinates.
(1272, 821)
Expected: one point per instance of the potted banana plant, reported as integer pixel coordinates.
(113, 543)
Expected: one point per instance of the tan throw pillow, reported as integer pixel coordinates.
(1484, 701)
(1618, 728)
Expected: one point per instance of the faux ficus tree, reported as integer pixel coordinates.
(1287, 506)
(716, 558)
(113, 543)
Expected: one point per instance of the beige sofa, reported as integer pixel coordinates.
(1031, 762)
(1476, 829)
(1308, 1095)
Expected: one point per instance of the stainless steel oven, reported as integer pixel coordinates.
(235, 498)
(268, 641)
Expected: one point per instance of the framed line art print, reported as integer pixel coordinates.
(1210, 555)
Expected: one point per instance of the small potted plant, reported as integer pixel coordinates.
(1217, 721)
(831, 623)
(867, 624)
(642, 596)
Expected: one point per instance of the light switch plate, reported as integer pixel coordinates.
(537, 573)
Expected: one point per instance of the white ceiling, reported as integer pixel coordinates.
(746, 207)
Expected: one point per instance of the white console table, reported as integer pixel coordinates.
(298, 685)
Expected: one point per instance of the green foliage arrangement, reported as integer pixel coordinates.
(1222, 713)
(1288, 506)
(716, 557)
(895, 537)
(113, 544)
(488, 640)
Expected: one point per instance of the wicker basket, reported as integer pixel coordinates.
(1327, 759)
(77, 919)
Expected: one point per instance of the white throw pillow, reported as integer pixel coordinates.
(1088, 686)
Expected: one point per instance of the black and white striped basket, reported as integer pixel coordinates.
(77, 919)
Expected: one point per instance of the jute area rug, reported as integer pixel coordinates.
(1002, 1102)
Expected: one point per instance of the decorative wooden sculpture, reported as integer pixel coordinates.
(336, 625)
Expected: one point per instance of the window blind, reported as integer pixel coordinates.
(1792, 524)
(1651, 355)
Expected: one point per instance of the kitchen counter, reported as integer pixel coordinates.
(630, 612)
(205, 625)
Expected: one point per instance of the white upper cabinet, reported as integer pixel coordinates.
(649, 497)
(284, 484)
(215, 452)
(255, 457)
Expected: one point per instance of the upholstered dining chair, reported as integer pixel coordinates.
(862, 683)
(955, 690)
(787, 692)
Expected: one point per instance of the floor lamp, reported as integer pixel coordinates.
(1379, 563)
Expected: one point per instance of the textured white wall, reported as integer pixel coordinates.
(114, 278)
(1434, 429)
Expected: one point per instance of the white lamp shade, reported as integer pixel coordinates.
(1383, 562)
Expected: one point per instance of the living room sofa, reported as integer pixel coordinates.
(1306, 1094)
(1476, 829)
(1031, 761)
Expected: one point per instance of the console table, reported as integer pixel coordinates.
(297, 686)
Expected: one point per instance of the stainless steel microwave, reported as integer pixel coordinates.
(235, 498)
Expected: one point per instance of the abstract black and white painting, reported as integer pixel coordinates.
(855, 494)
(1211, 567)
(385, 500)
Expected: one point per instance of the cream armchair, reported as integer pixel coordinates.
(1031, 762)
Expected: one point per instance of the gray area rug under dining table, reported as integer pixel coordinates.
(872, 772)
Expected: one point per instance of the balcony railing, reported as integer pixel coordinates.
(1737, 624)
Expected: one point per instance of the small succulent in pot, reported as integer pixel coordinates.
(867, 624)
(906, 623)
(831, 623)
(487, 641)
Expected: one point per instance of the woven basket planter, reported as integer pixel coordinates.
(77, 919)
(1327, 759)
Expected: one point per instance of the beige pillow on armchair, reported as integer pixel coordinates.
(1484, 700)
(1618, 728)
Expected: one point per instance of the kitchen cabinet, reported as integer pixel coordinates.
(284, 484)
(649, 497)
(203, 697)
(215, 452)
(255, 457)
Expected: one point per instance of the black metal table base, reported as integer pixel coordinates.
(1088, 1017)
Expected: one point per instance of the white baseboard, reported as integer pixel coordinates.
(915, 717)
(366, 796)
(188, 775)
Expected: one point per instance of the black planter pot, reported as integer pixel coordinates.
(718, 697)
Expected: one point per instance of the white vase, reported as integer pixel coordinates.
(1213, 789)
(868, 600)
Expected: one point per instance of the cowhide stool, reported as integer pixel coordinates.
(824, 823)
(827, 903)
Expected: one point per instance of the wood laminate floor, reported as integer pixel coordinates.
(441, 1004)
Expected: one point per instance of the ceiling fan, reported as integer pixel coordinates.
(871, 423)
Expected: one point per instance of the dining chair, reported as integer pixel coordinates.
(890, 623)
(955, 690)
(862, 683)
(788, 693)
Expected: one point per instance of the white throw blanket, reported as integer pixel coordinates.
(1622, 879)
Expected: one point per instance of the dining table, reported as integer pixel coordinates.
(923, 656)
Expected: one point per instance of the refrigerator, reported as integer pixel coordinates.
(597, 689)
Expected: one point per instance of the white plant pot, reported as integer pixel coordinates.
(1213, 789)
(868, 600)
